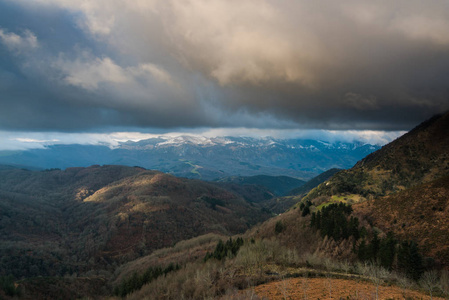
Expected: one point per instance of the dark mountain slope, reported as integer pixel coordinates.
(281, 204)
(314, 182)
(69, 222)
(277, 185)
(419, 156)
(402, 188)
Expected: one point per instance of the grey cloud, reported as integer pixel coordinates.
(361, 102)
(18, 43)
(333, 65)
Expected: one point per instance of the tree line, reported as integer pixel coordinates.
(222, 250)
(136, 281)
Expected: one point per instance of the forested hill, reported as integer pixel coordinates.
(401, 188)
(56, 223)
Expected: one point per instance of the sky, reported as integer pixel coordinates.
(92, 70)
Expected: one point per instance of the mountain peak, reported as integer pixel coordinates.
(429, 137)
(417, 157)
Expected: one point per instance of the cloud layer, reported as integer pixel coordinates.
(41, 140)
(90, 65)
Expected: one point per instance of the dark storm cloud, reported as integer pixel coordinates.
(87, 65)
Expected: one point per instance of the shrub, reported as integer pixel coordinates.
(8, 287)
(279, 227)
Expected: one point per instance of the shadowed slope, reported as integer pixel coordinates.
(419, 156)
(69, 222)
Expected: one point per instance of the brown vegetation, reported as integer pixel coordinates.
(417, 157)
(87, 221)
(419, 214)
(264, 269)
(316, 288)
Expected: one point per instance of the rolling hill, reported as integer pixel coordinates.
(272, 185)
(280, 204)
(56, 223)
(314, 182)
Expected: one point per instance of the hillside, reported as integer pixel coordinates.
(56, 223)
(420, 214)
(419, 156)
(276, 185)
(400, 188)
(314, 182)
(291, 263)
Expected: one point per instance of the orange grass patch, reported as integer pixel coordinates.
(319, 288)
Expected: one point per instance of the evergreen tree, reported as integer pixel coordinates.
(318, 220)
(313, 220)
(305, 211)
(332, 221)
(410, 261)
(219, 252)
(362, 251)
(387, 251)
(223, 249)
(354, 228)
(416, 267)
(135, 282)
(279, 227)
(374, 247)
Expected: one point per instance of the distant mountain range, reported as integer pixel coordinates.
(203, 158)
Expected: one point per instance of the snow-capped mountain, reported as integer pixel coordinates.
(204, 157)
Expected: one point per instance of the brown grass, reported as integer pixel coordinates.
(316, 288)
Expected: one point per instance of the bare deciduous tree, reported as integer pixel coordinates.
(429, 280)
(305, 285)
(444, 282)
(376, 274)
(284, 288)
(405, 285)
(328, 264)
